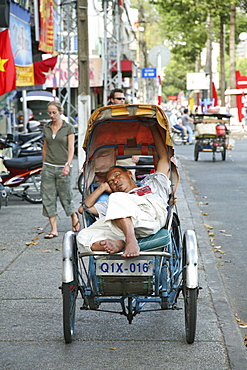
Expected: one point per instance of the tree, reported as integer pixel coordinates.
(172, 82)
(184, 29)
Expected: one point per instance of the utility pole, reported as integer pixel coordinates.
(232, 53)
(209, 56)
(222, 62)
(74, 25)
(84, 108)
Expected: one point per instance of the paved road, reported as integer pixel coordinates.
(220, 190)
(31, 334)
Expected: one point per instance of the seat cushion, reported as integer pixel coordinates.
(160, 239)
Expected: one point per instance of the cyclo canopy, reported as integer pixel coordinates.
(119, 130)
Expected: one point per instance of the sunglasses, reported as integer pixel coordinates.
(120, 98)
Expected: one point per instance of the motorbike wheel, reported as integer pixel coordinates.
(32, 189)
(177, 138)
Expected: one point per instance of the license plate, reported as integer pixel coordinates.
(219, 149)
(139, 266)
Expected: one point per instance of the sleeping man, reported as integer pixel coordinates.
(130, 212)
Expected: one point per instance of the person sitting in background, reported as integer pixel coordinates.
(185, 122)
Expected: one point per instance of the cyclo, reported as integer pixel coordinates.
(168, 262)
(211, 134)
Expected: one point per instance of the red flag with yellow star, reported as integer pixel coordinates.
(36, 73)
(43, 69)
(7, 64)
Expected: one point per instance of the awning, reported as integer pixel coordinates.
(126, 68)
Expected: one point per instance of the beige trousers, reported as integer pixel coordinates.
(148, 215)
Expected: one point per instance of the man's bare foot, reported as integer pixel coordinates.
(131, 250)
(112, 246)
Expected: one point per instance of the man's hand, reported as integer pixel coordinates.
(104, 186)
(135, 158)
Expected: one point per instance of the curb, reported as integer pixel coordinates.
(236, 352)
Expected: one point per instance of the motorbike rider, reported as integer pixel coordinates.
(185, 122)
(176, 123)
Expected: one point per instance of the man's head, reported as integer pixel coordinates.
(120, 179)
(117, 96)
(186, 110)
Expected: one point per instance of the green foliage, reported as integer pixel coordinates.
(182, 26)
(172, 82)
(241, 66)
(149, 20)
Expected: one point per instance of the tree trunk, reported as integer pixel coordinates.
(232, 53)
(222, 62)
(208, 68)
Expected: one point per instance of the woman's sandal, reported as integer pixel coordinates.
(50, 236)
(75, 227)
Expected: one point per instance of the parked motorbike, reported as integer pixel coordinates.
(23, 144)
(23, 178)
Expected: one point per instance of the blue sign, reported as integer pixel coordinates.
(149, 72)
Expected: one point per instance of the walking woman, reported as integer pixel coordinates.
(57, 155)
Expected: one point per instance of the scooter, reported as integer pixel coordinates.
(23, 144)
(177, 138)
(23, 178)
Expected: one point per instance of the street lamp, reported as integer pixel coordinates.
(243, 37)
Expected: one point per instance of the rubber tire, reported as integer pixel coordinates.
(76, 148)
(177, 138)
(196, 151)
(30, 198)
(223, 154)
(176, 238)
(190, 313)
(190, 303)
(69, 305)
(80, 183)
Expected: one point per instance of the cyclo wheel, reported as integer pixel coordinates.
(223, 154)
(70, 293)
(190, 294)
(190, 307)
(196, 151)
(80, 183)
(172, 273)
